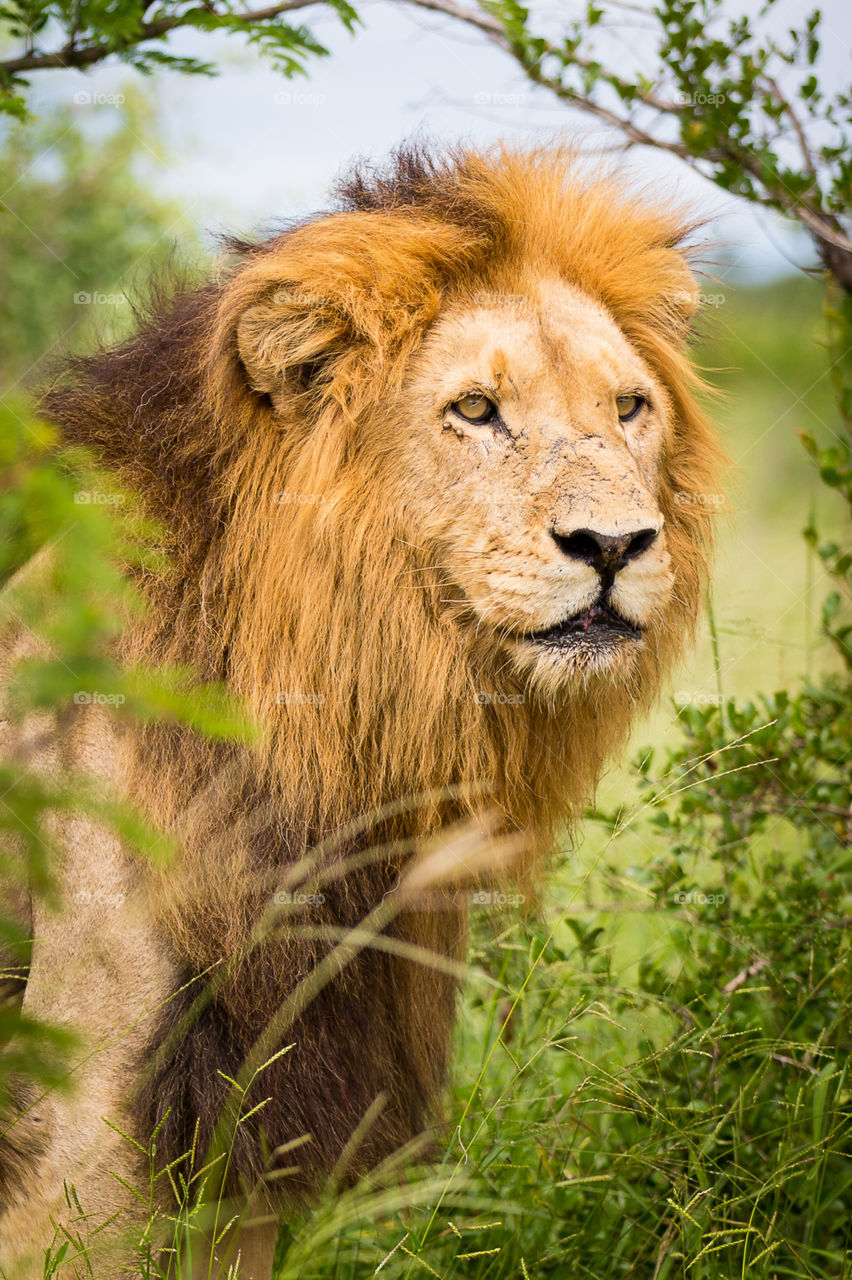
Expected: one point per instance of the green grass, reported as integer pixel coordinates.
(651, 1072)
(762, 349)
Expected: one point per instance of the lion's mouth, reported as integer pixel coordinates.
(598, 624)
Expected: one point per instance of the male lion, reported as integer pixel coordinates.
(422, 461)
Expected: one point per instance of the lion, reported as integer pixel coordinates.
(420, 461)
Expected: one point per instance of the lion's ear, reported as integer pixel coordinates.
(285, 340)
(339, 294)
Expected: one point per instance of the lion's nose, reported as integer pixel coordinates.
(603, 552)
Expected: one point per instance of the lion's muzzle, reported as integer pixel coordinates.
(606, 554)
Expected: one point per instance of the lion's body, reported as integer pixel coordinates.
(373, 574)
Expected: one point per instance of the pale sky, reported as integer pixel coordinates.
(250, 147)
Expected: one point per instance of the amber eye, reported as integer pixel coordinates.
(475, 407)
(628, 406)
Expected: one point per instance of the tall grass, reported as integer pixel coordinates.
(651, 1073)
(681, 1112)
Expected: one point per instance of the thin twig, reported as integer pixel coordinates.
(87, 55)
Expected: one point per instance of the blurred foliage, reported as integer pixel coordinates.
(53, 33)
(73, 592)
(834, 460)
(81, 231)
(78, 218)
(764, 348)
(68, 537)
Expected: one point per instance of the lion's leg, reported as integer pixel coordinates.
(98, 968)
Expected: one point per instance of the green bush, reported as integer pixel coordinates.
(690, 1115)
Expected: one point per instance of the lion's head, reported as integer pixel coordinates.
(429, 459)
(530, 438)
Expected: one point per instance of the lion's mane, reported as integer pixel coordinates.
(324, 619)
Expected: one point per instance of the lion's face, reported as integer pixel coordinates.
(531, 445)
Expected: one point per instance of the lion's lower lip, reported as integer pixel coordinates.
(595, 625)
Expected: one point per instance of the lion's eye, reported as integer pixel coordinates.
(475, 407)
(628, 406)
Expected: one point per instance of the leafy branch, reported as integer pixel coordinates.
(136, 31)
(713, 98)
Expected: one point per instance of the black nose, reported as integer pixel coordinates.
(601, 551)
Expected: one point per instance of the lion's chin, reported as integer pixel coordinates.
(577, 659)
(598, 642)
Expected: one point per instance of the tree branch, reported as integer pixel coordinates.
(84, 56)
(496, 34)
(798, 128)
(832, 242)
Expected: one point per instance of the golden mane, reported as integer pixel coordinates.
(293, 579)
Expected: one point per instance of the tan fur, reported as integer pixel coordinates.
(365, 569)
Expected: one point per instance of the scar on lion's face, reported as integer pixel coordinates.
(545, 512)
